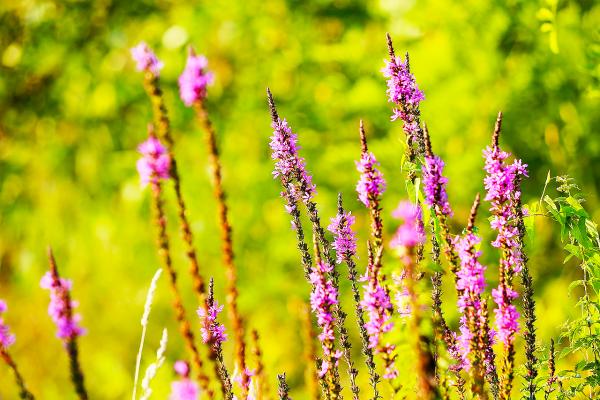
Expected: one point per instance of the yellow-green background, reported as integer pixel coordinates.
(72, 111)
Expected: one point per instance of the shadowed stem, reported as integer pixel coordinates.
(70, 342)
(364, 336)
(227, 243)
(283, 388)
(165, 256)
(441, 329)
(528, 306)
(23, 392)
(263, 386)
(551, 371)
(161, 121)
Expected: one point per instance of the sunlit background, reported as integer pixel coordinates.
(73, 109)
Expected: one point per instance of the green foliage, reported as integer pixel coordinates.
(581, 335)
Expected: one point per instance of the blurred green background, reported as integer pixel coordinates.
(73, 109)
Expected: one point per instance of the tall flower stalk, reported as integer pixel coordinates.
(404, 93)
(67, 323)
(154, 166)
(193, 83)
(213, 334)
(323, 299)
(283, 389)
(298, 187)
(7, 339)
(409, 235)
(345, 248)
(150, 65)
(473, 340)
(370, 187)
(262, 383)
(504, 195)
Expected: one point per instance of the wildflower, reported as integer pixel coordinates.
(155, 162)
(289, 166)
(402, 87)
(211, 330)
(434, 185)
(405, 94)
(194, 79)
(371, 184)
(6, 338)
(184, 388)
(470, 285)
(344, 237)
(60, 308)
(378, 306)
(323, 299)
(145, 59)
(506, 314)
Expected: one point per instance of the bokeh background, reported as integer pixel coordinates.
(73, 109)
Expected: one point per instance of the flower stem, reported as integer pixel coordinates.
(227, 243)
(23, 392)
(165, 255)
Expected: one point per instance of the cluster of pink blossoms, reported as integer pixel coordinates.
(344, 237)
(194, 79)
(59, 309)
(184, 388)
(289, 166)
(155, 162)
(211, 330)
(146, 60)
(504, 194)
(371, 184)
(434, 185)
(470, 284)
(403, 91)
(323, 299)
(6, 338)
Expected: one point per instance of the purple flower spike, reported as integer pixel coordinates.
(60, 307)
(211, 330)
(289, 166)
(6, 338)
(184, 388)
(434, 185)
(371, 184)
(402, 87)
(194, 79)
(507, 316)
(411, 233)
(470, 284)
(504, 194)
(323, 300)
(145, 59)
(155, 163)
(344, 237)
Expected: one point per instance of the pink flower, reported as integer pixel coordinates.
(184, 388)
(155, 162)
(344, 238)
(371, 184)
(194, 79)
(145, 59)
(66, 322)
(6, 338)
